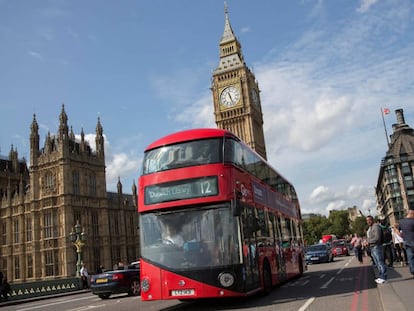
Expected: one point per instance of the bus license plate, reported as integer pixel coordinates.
(182, 292)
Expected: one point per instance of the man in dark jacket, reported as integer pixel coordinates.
(374, 241)
(407, 231)
(387, 243)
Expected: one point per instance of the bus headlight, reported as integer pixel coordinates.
(145, 285)
(226, 279)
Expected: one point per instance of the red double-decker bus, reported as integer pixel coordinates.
(216, 220)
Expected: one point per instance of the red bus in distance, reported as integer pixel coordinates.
(216, 220)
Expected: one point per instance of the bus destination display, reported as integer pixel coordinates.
(182, 189)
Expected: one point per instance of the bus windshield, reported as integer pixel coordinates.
(183, 154)
(193, 238)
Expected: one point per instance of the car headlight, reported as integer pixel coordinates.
(226, 279)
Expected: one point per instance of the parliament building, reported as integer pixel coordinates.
(40, 206)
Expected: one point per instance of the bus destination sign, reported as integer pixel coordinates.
(181, 189)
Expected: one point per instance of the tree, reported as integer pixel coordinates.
(313, 229)
(359, 225)
(339, 223)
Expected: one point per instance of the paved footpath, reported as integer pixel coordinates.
(398, 293)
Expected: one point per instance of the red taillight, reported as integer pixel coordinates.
(117, 276)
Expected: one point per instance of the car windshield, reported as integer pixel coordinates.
(338, 243)
(314, 248)
(191, 238)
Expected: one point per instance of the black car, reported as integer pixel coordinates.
(319, 253)
(117, 281)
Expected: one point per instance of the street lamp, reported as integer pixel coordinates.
(78, 238)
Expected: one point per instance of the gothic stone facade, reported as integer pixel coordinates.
(39, 207)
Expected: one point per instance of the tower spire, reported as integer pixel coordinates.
(228, 34)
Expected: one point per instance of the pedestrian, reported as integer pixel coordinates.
(356, 243)
(407, 231)
(84, 276)
(387, 243)
(374, 240)
(401, 254)
(5, 289)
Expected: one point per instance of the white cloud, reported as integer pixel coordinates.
(199, 113)
(35, 55)
(118, 164)
(365, 5)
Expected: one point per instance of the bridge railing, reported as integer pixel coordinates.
(43, 288)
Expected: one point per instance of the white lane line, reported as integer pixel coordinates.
(327, 283)
(54, 303)
(307, 304)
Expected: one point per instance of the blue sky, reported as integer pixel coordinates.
(325, 69)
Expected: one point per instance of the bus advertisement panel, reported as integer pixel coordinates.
(215, 219)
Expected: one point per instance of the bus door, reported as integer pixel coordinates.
(281, 265)
(249, 227)
(288, 244)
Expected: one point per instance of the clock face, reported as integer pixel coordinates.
(229, 96)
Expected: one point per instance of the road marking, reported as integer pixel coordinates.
(327, 283)
(307, 304)
(322, 276)
(340, 270)
(54, 303)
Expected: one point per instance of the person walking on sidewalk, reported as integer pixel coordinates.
(84, 276)
(387, 243)
(407, 231)
(357, 244)
(374, 240)
(398, 241)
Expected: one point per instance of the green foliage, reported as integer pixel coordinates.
(313, 228)
(359, 225)
(337, 223)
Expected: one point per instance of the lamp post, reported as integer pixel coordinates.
(78, 238)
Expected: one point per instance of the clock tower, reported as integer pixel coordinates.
(236, 97)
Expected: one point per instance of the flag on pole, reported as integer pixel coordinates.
(386, 111)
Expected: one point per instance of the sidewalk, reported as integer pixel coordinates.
(397, 294)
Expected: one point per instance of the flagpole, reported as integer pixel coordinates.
(385, 128)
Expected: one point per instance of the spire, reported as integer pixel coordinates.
(228, 34)
(34, 127)
(99, 129)
(63, 126)
(99, 139)
(63, 116)
(119, 185)
(34, 141)
(72, 134)
(231, 56)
